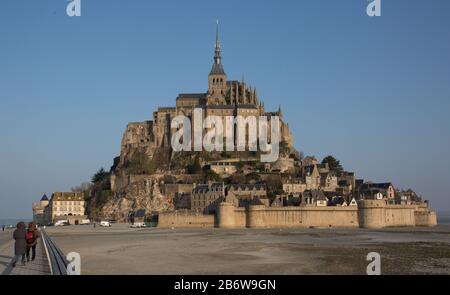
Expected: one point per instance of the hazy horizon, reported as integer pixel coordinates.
(373, 92)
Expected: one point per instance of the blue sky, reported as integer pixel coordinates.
(374, 92)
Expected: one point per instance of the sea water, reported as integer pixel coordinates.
(443, 217)
(13, 222)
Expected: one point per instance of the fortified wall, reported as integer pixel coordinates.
(368, 214)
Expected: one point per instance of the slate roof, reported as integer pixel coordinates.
(309, 169)
(220, 107)
(292, 201)
(217, 69)
(256, 201)
(316, 195)
(258, 186)
(204, 188)
(371, 185)
(247, 106)
(191, 96)
(140, 213)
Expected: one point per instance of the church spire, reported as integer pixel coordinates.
(217, 68)
(217, 51)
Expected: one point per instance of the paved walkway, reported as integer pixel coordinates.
(37, 267)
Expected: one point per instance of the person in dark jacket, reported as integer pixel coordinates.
(20, 246)
(32, 238)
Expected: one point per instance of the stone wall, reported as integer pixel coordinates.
(185, 219)
(425, 218)
(368, 214)
(400, 215)
(259, 216)
(376, 214)
(170, 190)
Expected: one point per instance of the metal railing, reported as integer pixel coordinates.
(56, 258)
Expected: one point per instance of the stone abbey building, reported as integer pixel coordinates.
(223, 97)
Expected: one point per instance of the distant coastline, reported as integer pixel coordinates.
(443, 217)
(12, 221)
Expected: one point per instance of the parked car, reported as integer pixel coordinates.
(85, 222)
(138, 225)
(61, 223)
(105, 224)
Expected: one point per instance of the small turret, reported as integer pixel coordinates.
(280, 113)
(244, 91)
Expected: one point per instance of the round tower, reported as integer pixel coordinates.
(255, 216)
(225, 215)
(44, 201)
(372, 213)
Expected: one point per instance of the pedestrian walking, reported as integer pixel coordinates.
(20, 245)
(32, 239)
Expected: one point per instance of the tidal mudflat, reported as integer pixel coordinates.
(121, 250)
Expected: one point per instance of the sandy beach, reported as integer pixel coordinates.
(121, 250)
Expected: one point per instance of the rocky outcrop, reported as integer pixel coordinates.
(141, 194)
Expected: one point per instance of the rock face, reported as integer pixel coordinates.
(141, 194)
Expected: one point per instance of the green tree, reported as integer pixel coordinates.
(210, 175)
(139, 164)
(194, 167)
(333, 164)
(99, 175)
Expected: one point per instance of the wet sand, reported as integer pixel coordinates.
(121, 250)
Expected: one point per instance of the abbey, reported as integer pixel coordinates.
(223, 98)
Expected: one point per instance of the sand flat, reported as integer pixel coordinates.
(121, 250)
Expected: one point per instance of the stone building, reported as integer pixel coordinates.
(374, 191)
(66, 206)
(407, 197)
(224, 97)
(223, 167)
(245, 193)
(347, 180)
(206, 197)
(314, 198)
(294, 186)
(312, 177)
(61, 206)
(39, 210)
(329, 181)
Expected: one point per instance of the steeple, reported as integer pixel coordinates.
(217, 68)
(217, 55)
(217, 79)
